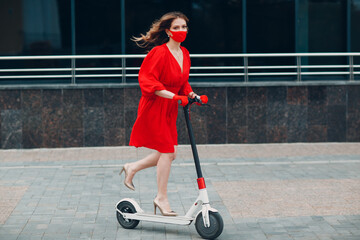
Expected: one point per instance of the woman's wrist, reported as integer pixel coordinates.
(192, 95)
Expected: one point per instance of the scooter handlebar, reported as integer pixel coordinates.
(199, 100)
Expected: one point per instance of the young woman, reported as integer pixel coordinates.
(163, 79)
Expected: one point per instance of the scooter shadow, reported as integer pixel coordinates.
(169, 229)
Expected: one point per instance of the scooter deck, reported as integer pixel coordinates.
(181, 220)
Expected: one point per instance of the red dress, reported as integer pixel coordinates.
(155, 126)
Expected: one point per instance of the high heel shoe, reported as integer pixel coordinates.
(129, 185)
(163, 212)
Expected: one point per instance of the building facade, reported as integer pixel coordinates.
(62, 113)
(40, 27)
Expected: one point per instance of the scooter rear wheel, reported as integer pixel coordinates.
(215, 229)
(126, 207)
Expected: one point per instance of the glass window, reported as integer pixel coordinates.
(65, 26)
(215, 25)
(355, 26)
(98, 26)
(327, 33)
(270, 29)
(11, 27)
(29, 27)
(355, 33)
(98, 31)
(270, 26)
(327, 25)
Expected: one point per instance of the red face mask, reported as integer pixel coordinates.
(178, 36)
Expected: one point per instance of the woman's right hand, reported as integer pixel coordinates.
(183, 100)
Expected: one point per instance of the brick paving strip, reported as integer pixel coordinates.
(289, 198)
(227, 151)
(9, 198)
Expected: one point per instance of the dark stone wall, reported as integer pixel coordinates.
(51, 118)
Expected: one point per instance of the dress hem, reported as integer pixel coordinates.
(153, 148)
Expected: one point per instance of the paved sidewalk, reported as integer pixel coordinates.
(263, 191)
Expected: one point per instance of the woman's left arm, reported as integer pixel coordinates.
(165, 94)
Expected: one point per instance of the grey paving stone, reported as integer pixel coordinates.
(75, 199)
(9, 236)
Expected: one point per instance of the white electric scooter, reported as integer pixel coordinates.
(208, 221)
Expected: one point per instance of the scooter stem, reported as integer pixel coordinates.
(192, 142)
(203, 196)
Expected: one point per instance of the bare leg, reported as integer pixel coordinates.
(163, 162)
(163, 172)
(175, 152)
(150, 160)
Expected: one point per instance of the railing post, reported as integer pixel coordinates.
(73, 71)
(123, 70)
(298, 64)
(351, 66)
(73, 43)
(246, 75)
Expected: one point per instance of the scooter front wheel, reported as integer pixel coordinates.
(215, 229)
(126, 207)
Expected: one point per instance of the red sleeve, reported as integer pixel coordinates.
(150, 72)
(186, 88)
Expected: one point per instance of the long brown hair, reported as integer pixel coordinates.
(157, 35)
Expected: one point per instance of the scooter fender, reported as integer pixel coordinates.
(206, 208)
(133, 202)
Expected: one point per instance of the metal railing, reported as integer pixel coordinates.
(238, 67)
